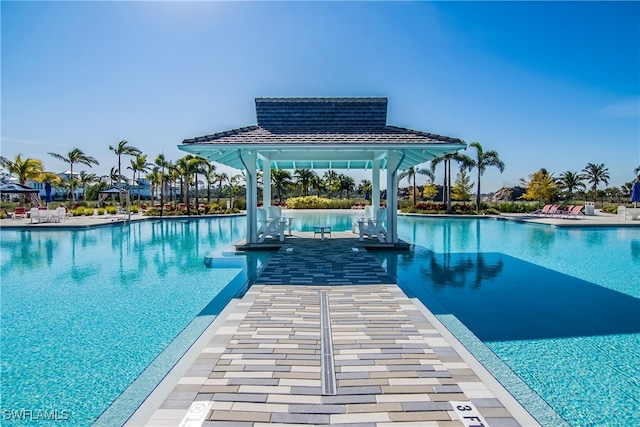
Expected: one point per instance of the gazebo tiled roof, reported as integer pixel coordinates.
(347, 124)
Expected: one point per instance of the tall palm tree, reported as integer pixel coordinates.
(571, 181)
(75, 156)
(281, 180)
(221, 178)
(84, 180)
(595, 174)
(346, 183)
(636, 171)
(139, 165)
(331, 181)
(481, 162)
(123, 149)
(410, 174)
(304, 177)
(210, 177)
(155, 178)
(447, 159)
(187, 167)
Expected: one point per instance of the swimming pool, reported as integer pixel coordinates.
(559, 306)
(86, 311)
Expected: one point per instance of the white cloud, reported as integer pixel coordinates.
(624, 108)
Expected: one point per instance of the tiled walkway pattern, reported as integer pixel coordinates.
(309, 261)
(392, 367)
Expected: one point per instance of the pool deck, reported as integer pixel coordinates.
(598, 220)
(299, 350)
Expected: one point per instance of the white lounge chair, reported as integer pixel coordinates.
(374, 227)
(269, 227)
(275, 213)
(369, 213)
(34, 214)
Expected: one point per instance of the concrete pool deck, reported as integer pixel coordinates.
(598, 220)
(264, 361)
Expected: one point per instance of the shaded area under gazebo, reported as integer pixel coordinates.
(322, 133)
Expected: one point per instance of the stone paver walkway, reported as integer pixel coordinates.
(392, 367)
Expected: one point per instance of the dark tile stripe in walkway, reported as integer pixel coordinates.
(323, 262)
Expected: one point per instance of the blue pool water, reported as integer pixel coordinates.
(85, 312)
(559, 306)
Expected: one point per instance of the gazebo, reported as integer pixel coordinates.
(322, 133)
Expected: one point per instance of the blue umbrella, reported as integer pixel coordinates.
(367, 196)
(47, 190)
(635, 193)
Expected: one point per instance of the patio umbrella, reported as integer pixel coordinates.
(47, 190)
(367, 196)
(635, 193)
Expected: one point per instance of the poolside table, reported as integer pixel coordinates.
(321, 229)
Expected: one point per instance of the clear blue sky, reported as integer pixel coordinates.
(546, 84)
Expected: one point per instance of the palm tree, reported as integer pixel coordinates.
(188, 166)
(139, 165)
(74, 156)
(346, 183)
(210, 177)
(446, 188)
(410, 174)
(571, 181)
(595, 174)
(84, 180)
(364, 186)
(331, 181)
(221, 178)
(24, 170)
(114, 176)
(304, 177)
(481, 162)
(123, 149)
(636, 171)
(153, 176)
(281, 180)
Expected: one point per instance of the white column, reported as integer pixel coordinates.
(392, 196)
(375, 184)
(249, 158)
(266, 182)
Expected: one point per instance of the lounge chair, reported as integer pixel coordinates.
(19, 212)
(374, 227)
(269, 227)
(274, 213)
(60, 215)
(552, 211)
(576, 213)
(34, 214)
(542, 211)
(368, 214)
(565, 211)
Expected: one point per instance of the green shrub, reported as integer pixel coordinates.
(491, 211)
(240, 204)
(610, 209)
(111, 210)
(88, 211)
(77, 212)
(101, 211)
(308, 202)
(3, 215)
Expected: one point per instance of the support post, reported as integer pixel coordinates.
(249, 160)
(392, 196)
(375, 184)
(266, 183)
